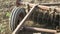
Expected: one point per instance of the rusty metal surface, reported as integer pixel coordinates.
(45, 15)
(40, 29)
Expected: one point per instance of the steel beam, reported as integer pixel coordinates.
(41, 6)
(40, 29)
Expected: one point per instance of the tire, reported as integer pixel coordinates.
(16, 16)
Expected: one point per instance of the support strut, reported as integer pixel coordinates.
(40, 29)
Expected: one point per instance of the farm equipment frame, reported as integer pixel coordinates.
(31, 6)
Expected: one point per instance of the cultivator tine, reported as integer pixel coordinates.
(33, 16)
(38, 18)
(59, 21)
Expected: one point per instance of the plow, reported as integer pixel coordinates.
(45, 17)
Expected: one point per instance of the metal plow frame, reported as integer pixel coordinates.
(32, 6)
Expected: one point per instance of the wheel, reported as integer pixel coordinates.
(16, 16)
